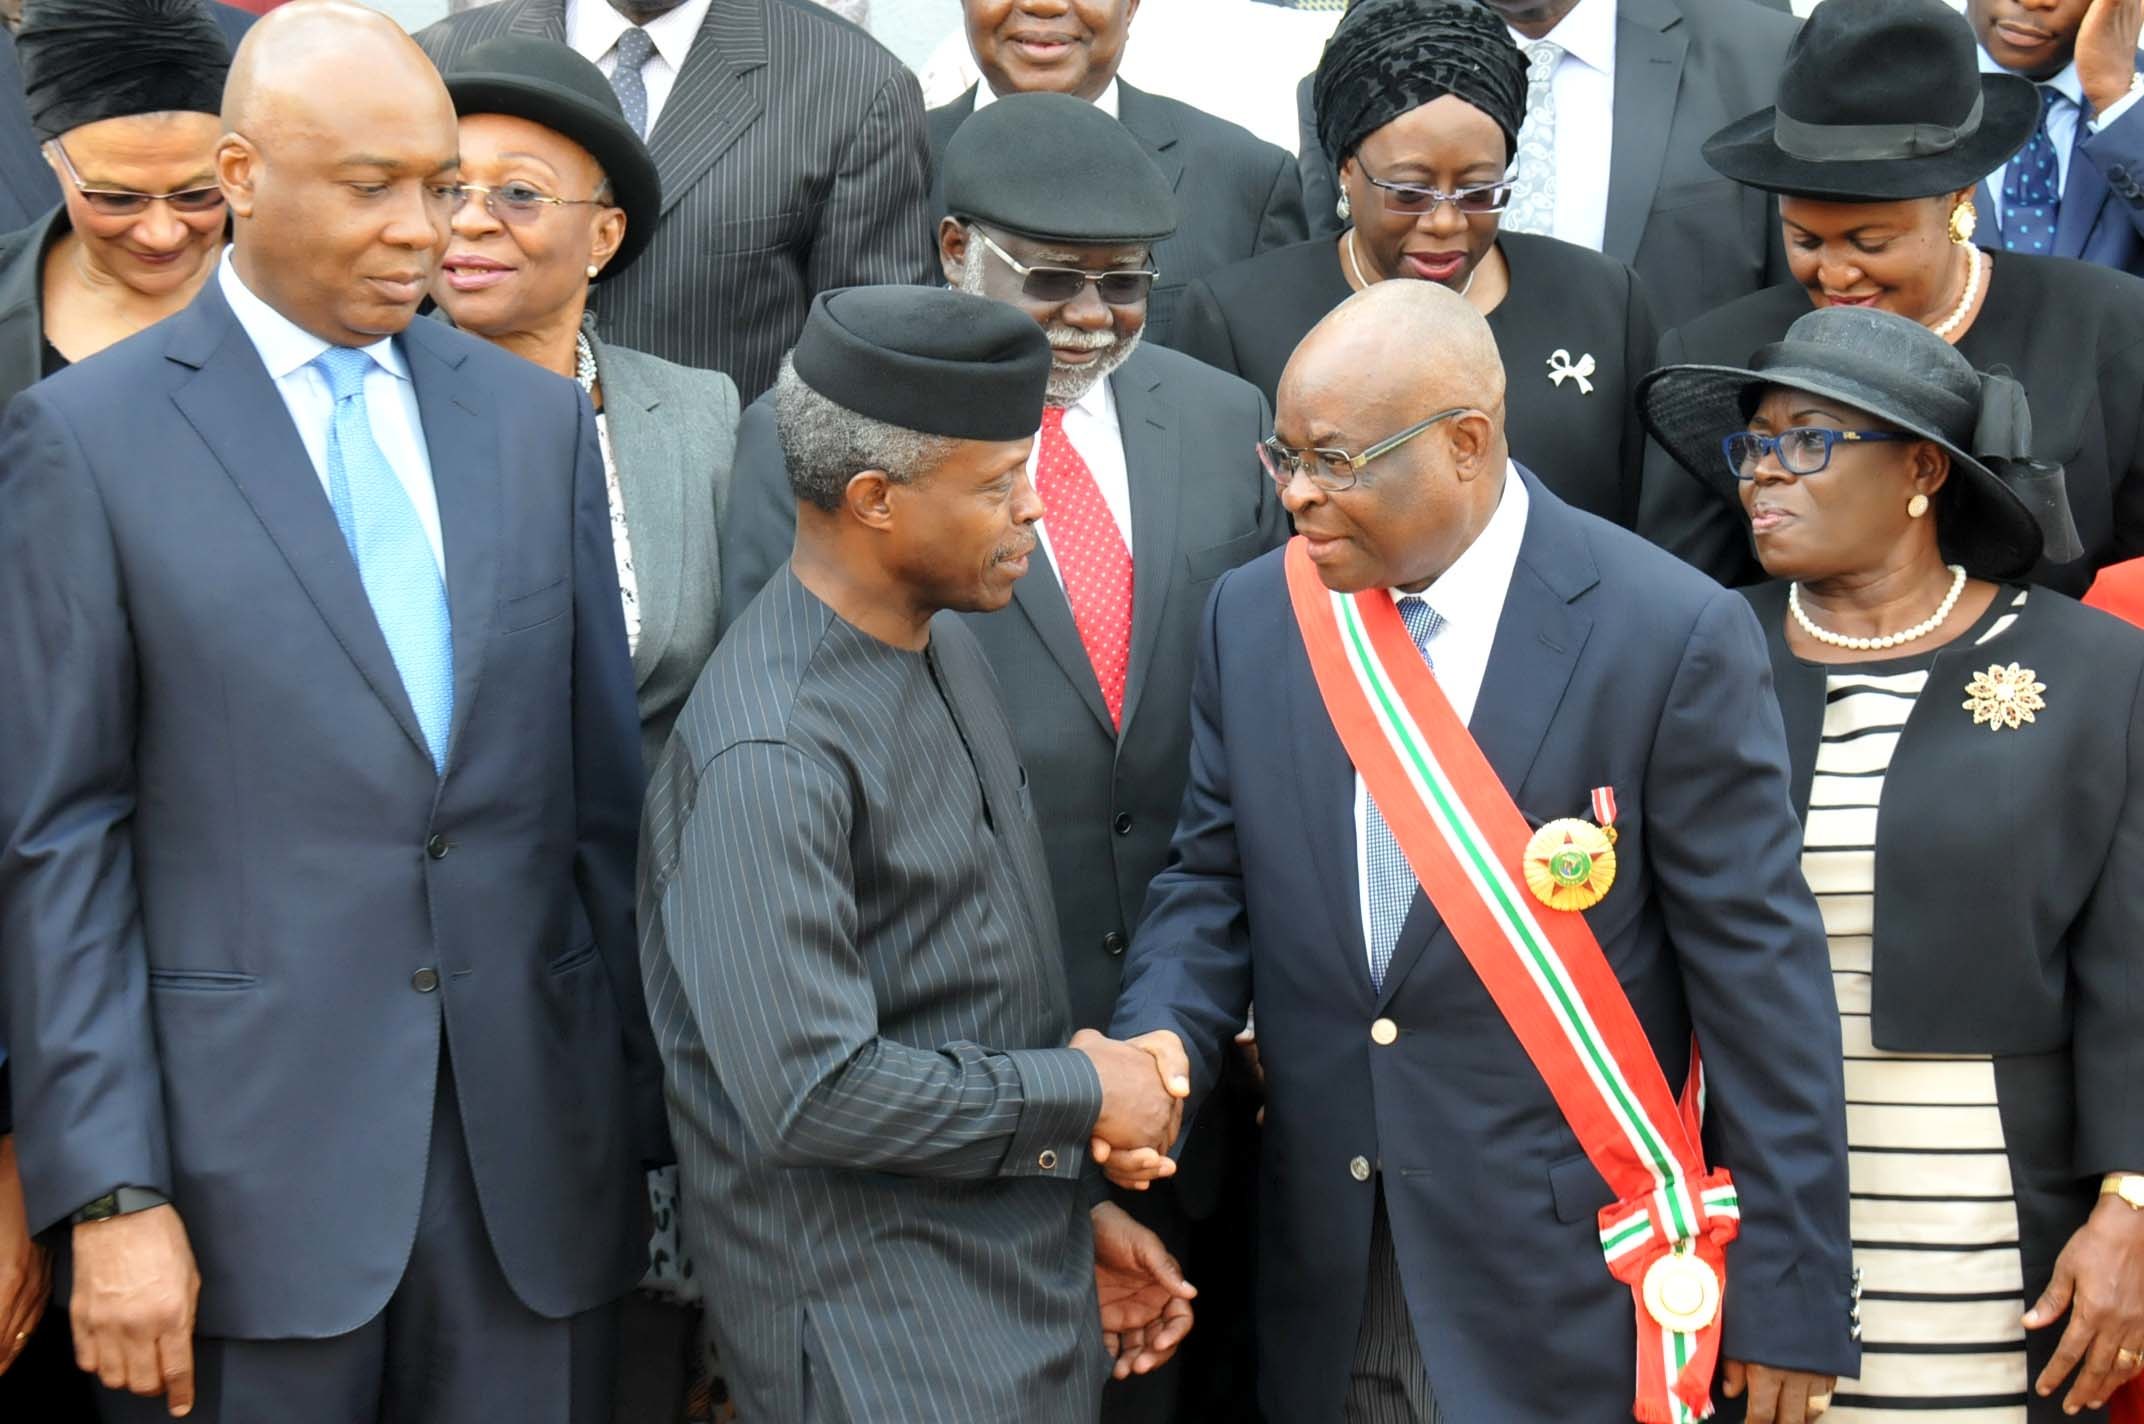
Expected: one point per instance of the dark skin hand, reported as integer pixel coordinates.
(1146, 1302)
(1777, 1396)
(25, 1266)
(2099, 1281)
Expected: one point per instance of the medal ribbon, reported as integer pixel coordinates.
(1464, 837)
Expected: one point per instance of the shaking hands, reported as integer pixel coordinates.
(1144, 1083)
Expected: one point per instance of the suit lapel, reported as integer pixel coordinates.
(544, 19)
(1041, 600)
(1538, 640)
(238, 413)
(22, 324)
(1326, 781)
(462, 444)
(1150, 123)
(2083, 195)
(1649, 49)
(650, 464)
(710, 104)
(1152, 465)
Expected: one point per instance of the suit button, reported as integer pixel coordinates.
(424, 981)
(1113, 944)
(1359, 1169)
(1048, 1160)
(436, 847)
(1123, 823)
(1384, 1032)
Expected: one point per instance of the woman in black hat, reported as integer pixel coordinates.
(1968, 760)
(1420, 103)
(559, 194)
(1883, 127)
(124, 95)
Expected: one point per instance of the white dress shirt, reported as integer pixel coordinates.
(2063, 117)
(592, 29)
(1469, 597)
(1584, 85)
(1106, 101)
(289, 350)
(1091, 427)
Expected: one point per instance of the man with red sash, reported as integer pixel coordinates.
(1489, 800)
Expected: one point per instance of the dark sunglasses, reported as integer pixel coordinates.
(1057, 285)
(1802, 449)
(119, 203)
(1414, 198)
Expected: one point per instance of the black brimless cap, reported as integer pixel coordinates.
(1053, 167)
(84, 61)
(927, 359)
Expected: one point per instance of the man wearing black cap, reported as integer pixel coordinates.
(847, 931)
(1145, 464)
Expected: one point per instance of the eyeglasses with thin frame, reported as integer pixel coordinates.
(121, 203)
(1334, 470)
(515, 203)
(1473, 201)
(1121, 287)
(1802, 449)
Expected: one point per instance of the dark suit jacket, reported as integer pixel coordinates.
(228, 857)
(1683, 70)
(2102, 216)
(793, 161)
(22, 300)
(1612, 665)
(1236, 194)
(1106, 801)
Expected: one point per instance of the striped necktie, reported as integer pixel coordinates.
(1392, 879)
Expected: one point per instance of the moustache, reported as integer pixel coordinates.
(1071, 338)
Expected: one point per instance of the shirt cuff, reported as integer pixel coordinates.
(1061, 1100)
(2118, 108)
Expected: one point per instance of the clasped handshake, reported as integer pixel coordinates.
(1144, 1083)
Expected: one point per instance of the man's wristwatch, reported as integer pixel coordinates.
(2129, 1186)
(122, 1202)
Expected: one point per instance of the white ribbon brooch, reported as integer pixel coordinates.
(1559, 366)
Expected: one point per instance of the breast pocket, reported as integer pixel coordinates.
(536, 608)
(759, 233)
(1207, 564)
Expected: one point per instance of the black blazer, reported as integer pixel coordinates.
(793, 161)
(2008, 904)
(22, 301)
(1236, 194)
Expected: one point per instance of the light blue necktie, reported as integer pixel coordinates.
(394, 557)
(635, 48)
(2032, 197)
(1392, 881)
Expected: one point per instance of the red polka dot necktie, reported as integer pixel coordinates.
(1093, 562)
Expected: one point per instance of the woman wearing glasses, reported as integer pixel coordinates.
(558, 193)
(1420, 102)
(124, 95)
(1968, 761)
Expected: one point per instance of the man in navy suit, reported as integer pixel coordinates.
(1430, 1232)
(2076, 190)
(327, 1040)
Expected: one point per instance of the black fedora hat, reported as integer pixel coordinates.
(1880, 100)
(546, 83)
(2003, 510)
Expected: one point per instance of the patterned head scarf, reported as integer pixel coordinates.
(1390, 57)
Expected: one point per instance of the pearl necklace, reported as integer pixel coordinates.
(1365, 283)
(1890, 640)
(584, 362)
(1973, 270)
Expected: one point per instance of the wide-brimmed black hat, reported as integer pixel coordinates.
(1880, 100)
(546, 83)
(2002, 509)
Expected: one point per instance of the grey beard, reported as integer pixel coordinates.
(1067, 383)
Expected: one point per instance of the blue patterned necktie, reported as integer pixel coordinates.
(1392, 882)
(2032, 196)
(634, 49)
(394, 557)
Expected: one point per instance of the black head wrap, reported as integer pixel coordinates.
(88, 60)
(1390, 57)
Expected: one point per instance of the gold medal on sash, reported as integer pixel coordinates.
(1681, 1292)
(1570, 863)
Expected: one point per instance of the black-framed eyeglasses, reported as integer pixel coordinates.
(1473, 201)
(515, 203)
(1334, 470)
(1122, 287)
(1802, 449)
(122, 203)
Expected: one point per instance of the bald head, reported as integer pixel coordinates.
(339, 162)
(1417, 344)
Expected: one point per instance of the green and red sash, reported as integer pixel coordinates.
(1463, 836)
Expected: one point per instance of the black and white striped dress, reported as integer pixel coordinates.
(1935, 1212)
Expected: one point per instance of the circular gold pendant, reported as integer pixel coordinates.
(1681, 1292)
(1569, 864)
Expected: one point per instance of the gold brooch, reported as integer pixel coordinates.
(2004, 697)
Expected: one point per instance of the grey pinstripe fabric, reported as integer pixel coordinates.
(846, 936)
(1387, 1383)
(794, 159)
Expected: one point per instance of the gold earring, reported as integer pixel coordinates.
(1917, 506)
(592, 270)
(1963, 219)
